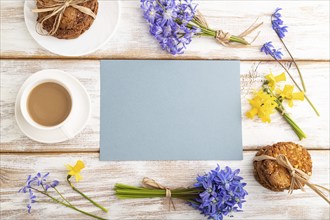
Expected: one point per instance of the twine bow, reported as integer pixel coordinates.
(150, 183)
(57, 8)
(224, 37)
(298, 177)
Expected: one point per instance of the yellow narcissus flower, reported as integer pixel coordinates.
(289, 95)
(272, 80)
(75, 170)
(262, 105)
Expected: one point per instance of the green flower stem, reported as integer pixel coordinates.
(86, 197)
(294, 81)
(160, 5)
(286, 116)
(212, 33)
(237, 39)
(129, 192)
(295, 127)
(301, 135)
(294, 61)
(67, 205)
(62, 196)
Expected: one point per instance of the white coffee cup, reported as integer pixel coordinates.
(65, 124)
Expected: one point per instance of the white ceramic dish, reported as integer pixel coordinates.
(97, 36)
(79, 116)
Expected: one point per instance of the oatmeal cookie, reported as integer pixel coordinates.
(276, 177)
(73, 23)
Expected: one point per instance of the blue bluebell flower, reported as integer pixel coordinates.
(25, 188)
(34, 182)
(29, 208)
(277, 24)
(223, 193)
(52, 185)
(32, 199)
(269, 49)
(276, 14)
(168, 21)
(41, 179)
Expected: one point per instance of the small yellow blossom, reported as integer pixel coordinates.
(289, 95)
(75, 171)
(272, 80)
(262, 105)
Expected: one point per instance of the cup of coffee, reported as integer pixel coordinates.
(48, 104)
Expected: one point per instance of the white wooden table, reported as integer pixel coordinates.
(308, 39)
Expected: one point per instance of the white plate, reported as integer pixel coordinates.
(78, 120)
(93, 39)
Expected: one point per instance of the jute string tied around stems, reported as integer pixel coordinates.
(57, 8)
(298, 177)
(152, 184)
(224, 37)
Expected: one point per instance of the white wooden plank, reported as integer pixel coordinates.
(100, 177)
(255, 133)
(308, 36)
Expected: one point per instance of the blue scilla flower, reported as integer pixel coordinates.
(269, 49)
(39, 182)
(223, 193)
(276, 14)
(25, 188)
(52, 185)
(277, 24)
(41, 179)
(32, 199)
(168, 21)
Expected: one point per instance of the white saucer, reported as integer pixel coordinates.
(97, 36)
(79, 117)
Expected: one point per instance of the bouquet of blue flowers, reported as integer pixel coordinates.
(216, 194)
(174, 22)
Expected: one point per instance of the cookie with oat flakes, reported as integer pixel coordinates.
(276, 177)
(73, 22)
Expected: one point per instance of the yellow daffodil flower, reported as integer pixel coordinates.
(262, 105)
(75, 170)
(272, 80)
(289, 95)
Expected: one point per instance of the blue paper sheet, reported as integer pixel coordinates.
(170, 110)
